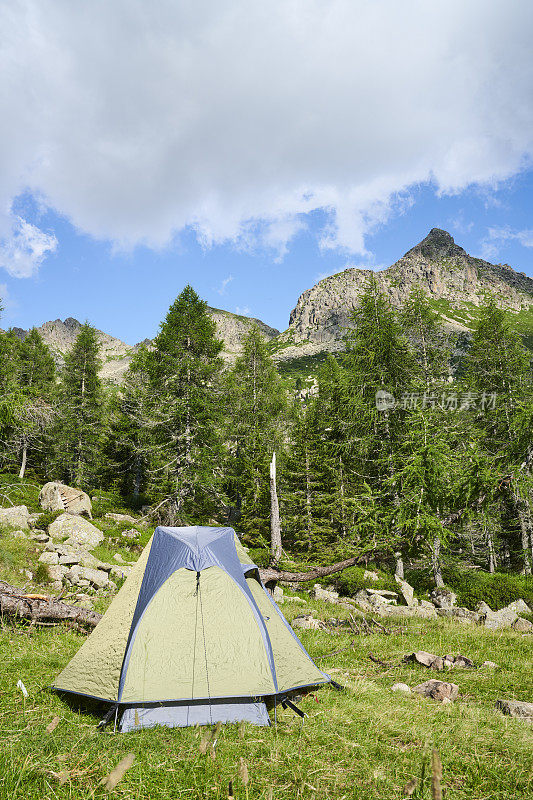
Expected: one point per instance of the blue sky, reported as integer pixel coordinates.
(128, 294)
(249, 148)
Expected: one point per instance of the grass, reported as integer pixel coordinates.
(365, 742)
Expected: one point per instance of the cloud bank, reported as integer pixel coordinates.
(236, 118)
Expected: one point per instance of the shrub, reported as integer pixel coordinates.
(473, 586)
(46, 518)
(41, 574)
(351, 580)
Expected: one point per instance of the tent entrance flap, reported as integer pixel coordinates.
(181, 716)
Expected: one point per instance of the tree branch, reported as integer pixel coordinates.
(271, 574)
(38, 608)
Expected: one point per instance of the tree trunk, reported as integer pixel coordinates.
(24, 459)
(399, 565)
(308, 501)
(524, 521)
(492, 554)
(435, 563)
(41, 608)
(275, 524)
(271, 574)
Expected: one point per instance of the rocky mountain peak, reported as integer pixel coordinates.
(437, 245)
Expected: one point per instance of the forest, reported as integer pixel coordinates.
(413, 451)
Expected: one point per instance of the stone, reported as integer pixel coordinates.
(427, 604)
(118, 558)
(407, 591)
(57, 573)
(69, 560)
(401, 687)
(520, 606)
(500, 619)
(15, 517)
(73, 574)
(298, 600)
(443, 598)
(489, 665)
(97, 577)
(460, 614)
(438, 690)
(277, 594)
(40, 537)
(523, 625)
(463, 662)
(48, 557)
(326, 595)
(56, 496)
(421, 657)
(483, 608)
(120, 572)
(369, 575)
(515, 708)
(19, 535)
(307, 623)
(382, 593)
(76, 531)
(362, 600)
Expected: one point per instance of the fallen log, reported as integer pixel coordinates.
(271, 575)
(17, 603)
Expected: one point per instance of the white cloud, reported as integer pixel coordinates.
(244, 312)
(236, 118)
(222, 288)
(497, 237)
(24, 248)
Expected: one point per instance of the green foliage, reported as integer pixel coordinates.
(348, 582)
(46, 518)
(472, 586)
(41, 574)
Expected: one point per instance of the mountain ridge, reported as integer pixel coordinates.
(455, 282)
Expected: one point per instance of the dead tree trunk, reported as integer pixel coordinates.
(42, 608)
(275, 524)
(399, 565)
(435, 563)
(271, 574)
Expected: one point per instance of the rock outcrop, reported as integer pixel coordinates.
(75, 531)
(456, 281)
(59, 497)
(15, 517)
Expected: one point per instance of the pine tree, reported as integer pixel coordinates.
(36, 368)
(80, 425)
(422, 326)
(184, 369)
(256, 403)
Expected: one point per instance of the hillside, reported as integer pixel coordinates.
(456, 283)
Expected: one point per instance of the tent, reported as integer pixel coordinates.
(192, 637)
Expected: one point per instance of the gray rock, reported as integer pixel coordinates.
(56, 496)
(427, 604)
(298, 600)
(120, 572)
(483, 608)
(401, 687)
(277, 594)
(57, 572)
(307, 622)
(76, 531)
(421, 657)
(48, 557)
(69, 560)
(386, 593)
(121, 518)
(489, 665)
(40, 536)
(19, 535)
(438, 690)
(326, 595)
(362, 601)
(515, 708)
(504, 618)
(443, 598)
(369, 575)
(520, 606)
(407, 591)
(460, 614)
(15, 517)
(118, 558)
(523, 625)
(97, 577)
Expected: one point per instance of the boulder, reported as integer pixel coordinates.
(56, 496)
(438, 690)
(427, 604)
(39, 536)
(307, 622)
(443, 598)
(463, 662)
(362, 601)
(57, 572)
(401, 687)
(500, 619)
(327, 595)
(20, 535)
(483, 609)
(523, 625)
(407, 591)
(385, 593)
(76, 530)
(520, 606)
(15, 517)
(422, 657)
(515, 708)
(48, 557)
(277, 594)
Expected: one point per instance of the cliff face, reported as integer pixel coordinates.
(116, 355)
(443, 269)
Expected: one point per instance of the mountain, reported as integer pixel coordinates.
(116, 355)
(455, 282)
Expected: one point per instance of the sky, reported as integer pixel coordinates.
(250, 148)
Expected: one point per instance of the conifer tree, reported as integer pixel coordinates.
(184, 368)
(256, 403)
(80, 424)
